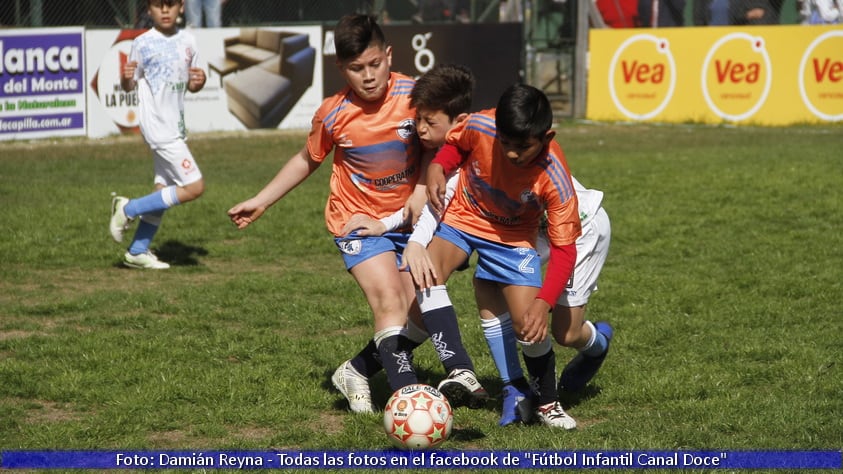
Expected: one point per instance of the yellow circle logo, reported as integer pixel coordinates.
(736, 76)
(821, 76)
(642, 76)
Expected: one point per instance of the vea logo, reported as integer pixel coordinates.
(40, 64)
(642, 76)
(821, 76)
(736, 76)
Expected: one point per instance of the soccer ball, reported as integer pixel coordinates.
(417, 417)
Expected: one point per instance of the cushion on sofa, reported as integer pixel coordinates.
(299, 68)
(248, 36)
(257, 90)
(269, 40)
(293, 44)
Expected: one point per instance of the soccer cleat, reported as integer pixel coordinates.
(554, 416)
(119, 222)
(462, 388)
(354, 387)
(144, 260)
(517, 406)
(582, 368)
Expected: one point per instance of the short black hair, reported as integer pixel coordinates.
(523, 112)
(169, 3)
(446, 87)
(356, 33)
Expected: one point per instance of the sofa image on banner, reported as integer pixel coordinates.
(264, 72)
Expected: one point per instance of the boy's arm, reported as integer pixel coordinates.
(415, 256)
(300, 166)
(127, 76)
(562, 260)
(448, 159)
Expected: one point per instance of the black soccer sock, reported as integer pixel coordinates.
(542, 370)
(440, 319)
(368, 361)
(397, 358)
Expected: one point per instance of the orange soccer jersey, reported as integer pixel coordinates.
(501, 202)
(377, 153)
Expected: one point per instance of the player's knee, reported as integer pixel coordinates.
(193, 191)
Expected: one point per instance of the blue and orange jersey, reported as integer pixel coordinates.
(501, 202)
(377, 152)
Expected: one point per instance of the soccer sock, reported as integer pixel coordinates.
(397, 359)
(501, 340)
(541, 365)
(147, 227)
(368, 363)
(160, 200)
(597, 343)
(440, 319)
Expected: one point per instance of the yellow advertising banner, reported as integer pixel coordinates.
(760, 75)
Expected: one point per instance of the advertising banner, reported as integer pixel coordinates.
(491, 51)
(762, 75)
(42, 83)
(264, 77)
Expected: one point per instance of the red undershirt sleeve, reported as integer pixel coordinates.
(449, 158)
(559, 269)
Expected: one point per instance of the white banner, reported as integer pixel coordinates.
(246, 88)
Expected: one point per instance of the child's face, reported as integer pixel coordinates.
(432, 126)
(165, 14)
(368, 74)
(522, 153)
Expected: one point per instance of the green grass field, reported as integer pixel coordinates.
(723, 284)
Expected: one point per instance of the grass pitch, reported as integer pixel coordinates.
(723, 284)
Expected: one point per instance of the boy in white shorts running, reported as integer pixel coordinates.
(162, 65)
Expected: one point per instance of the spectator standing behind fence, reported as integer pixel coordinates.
(755, 12)
(661, 13)
(821, 12)
(619, 13)
(711, 12)
(211, 10)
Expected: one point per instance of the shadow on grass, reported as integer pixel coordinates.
(180, 255)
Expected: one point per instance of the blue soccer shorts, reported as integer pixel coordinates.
(498, 262)
(355, 249)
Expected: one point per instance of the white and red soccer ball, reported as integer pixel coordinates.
(417, 417)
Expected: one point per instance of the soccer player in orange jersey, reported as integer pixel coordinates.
(511, 172)
(371, 129)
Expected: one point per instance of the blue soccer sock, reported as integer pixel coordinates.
(440, 319)
(502, 344)
(597, 343)
(160, 200)
(147, 228)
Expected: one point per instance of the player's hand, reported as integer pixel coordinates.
(414, 205)
(534, 322)
(417, 259)
(196, 79)
(436, 186)
(128, 71)
(245, 213)
(364, 225)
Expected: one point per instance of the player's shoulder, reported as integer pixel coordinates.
(333, 104)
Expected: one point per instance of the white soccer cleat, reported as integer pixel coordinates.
(554, 416)
(119, 222)
(462, 388)
(144, 260)
(354, 387)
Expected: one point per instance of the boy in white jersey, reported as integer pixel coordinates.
(162, 65)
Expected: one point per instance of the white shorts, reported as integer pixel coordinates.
(174, 165)
(592, 250)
